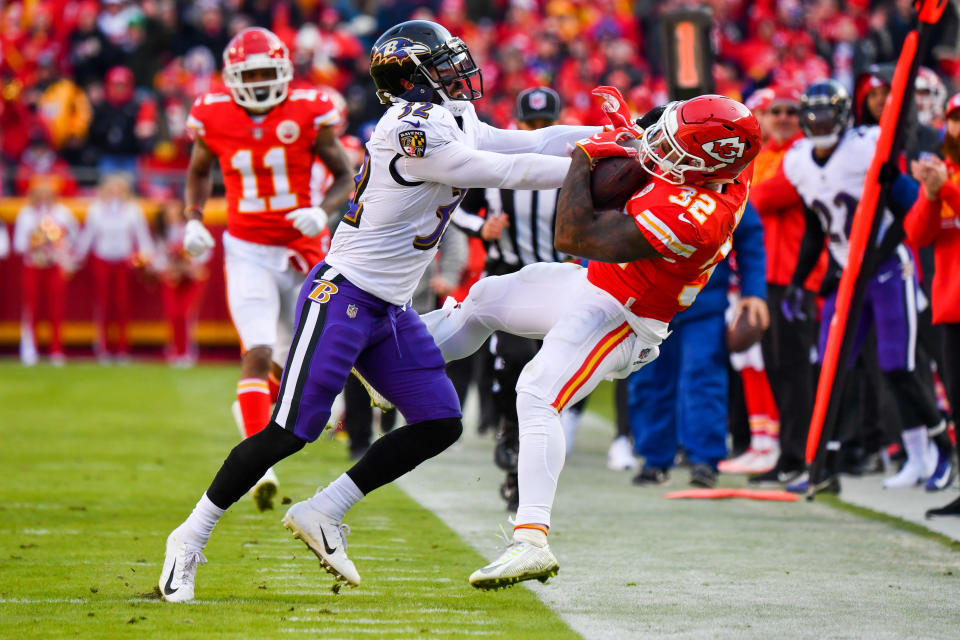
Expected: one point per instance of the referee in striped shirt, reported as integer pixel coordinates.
(517, 230)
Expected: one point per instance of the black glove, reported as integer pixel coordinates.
(792, 304)
(650, 117)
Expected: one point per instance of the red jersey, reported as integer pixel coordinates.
(691, 227)
(265, 160)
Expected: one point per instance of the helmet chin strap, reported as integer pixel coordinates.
(456, 107)
(827, 141)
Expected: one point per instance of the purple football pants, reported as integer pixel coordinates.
(340, 326)
(890, 303)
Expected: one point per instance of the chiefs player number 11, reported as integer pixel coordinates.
(276, 160)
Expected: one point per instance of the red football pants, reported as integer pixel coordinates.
(180, 302)
(111, 282)
(50, 285)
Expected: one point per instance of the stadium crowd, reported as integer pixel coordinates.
(94, 91)
(107, 85)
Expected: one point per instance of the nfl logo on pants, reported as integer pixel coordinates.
(351, 311)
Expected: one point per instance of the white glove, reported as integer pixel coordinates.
(196, 238)
(309, 221)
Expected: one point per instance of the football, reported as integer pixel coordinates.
(614, 180)
(742, 334)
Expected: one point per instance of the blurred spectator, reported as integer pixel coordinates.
(40, 160)
(120, 130)
(934, 220)
(90, 52)
(44, 234)
(114, 21)
(786, 346)
(182, 282)
(116, 234)
(64, 109)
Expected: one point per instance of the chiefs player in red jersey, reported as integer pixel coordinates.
(265, 136)
(646, 263)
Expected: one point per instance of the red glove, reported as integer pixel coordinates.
(615, 106)
(606, 144)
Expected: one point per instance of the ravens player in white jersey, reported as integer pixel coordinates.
(353, 310)
(828, 168)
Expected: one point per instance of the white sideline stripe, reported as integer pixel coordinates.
(293, 374)
(44, 601)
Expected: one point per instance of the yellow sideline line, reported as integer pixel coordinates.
(209, 333)
(214, 213)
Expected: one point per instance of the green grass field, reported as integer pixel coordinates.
(100, 464)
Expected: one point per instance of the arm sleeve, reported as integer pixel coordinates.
(4, 241)
(904, 192)
(950, 193)
(21, 231)
(85, 239)
(923, 220)
(775, 194)
(458, 165)
(140, 230)
(810, 248)
(751, 255)
(550, 141)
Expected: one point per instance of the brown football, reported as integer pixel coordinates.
(614, 180)
(742, 334)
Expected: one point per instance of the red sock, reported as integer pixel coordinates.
(253, 394)
(274, 383)
(759, 398)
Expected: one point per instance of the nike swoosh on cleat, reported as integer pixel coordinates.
(167, 590)
(325, 545)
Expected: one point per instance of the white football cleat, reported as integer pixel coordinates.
(521, 561)
(327, 539)
(377, 399)
(750, 461)
(620, 455)
(180, 568)
(264, 491)
(911, 475)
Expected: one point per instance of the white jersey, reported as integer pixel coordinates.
(418, 165)
(833, 190)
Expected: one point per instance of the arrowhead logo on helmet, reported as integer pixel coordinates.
(725, 149)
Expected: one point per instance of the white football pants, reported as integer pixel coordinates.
(587, 335)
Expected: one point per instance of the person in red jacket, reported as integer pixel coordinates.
(935, 219)
(786, 346)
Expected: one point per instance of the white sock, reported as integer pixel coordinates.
(533, 536)
(541, 458)
(337, 498)
(915, 442)
(202, 520)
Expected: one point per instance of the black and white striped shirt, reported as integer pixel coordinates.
(529, 236)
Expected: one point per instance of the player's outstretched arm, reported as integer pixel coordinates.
(581, 231)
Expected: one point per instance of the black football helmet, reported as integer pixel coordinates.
(825, 108)
(425, 54)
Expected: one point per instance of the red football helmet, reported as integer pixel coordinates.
(257, 48)
(705, 138)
